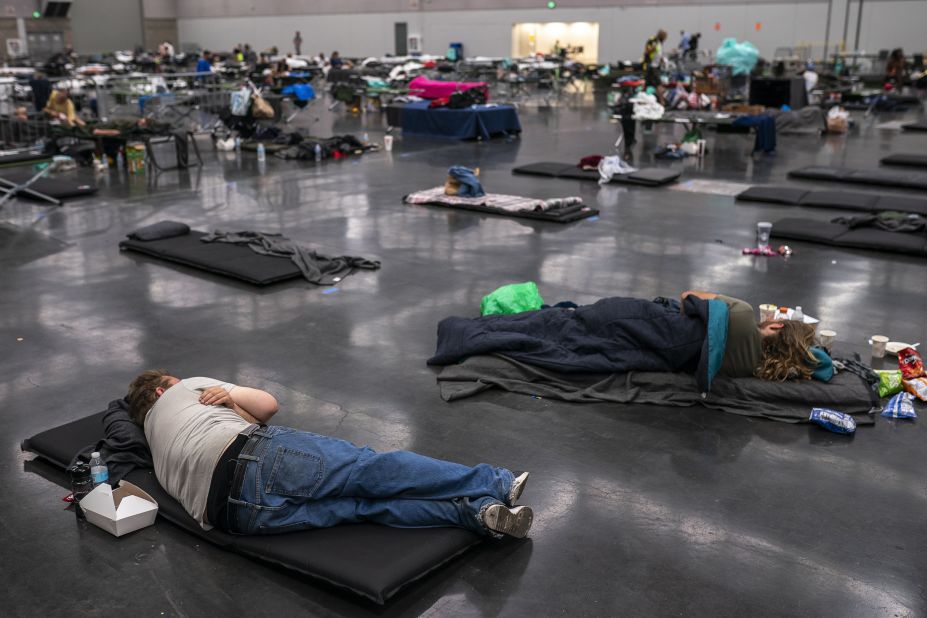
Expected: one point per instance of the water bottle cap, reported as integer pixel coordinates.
(94, 454)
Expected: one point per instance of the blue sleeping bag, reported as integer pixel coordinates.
(613, 335)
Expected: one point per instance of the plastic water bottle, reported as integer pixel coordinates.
(262, 155)
(99, 473)
(120, 160)
(318, 153)
(237, 144)
(366, 137)
(797, 315)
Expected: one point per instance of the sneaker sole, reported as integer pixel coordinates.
(512, 522)
(518, 487)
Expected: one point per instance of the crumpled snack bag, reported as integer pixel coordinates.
(910, 363)
(900, 406)
(917, 387)
(889, 382)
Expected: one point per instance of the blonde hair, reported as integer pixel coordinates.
(787, 354)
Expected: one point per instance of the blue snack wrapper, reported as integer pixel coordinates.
(832, 420)
(900, 406)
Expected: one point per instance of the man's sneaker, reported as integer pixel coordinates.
(509, 521)
(518, 486)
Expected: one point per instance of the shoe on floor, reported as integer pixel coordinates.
(513, 522)
(518, 486)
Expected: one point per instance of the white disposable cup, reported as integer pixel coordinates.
(826, 337)
(768, 312)
(763, 229)
(388, 142)
(878, 345)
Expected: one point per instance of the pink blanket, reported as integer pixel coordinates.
(432, 89)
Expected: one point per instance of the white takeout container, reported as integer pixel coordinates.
(807, 319)
(119, 511)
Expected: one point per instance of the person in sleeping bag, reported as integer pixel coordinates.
(772, 350)
(705, 334)
(214, 452)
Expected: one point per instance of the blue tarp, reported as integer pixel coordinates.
(302, 92)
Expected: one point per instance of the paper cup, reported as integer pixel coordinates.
(826, 337)
(763, 230)
(878, 345)
(388, 142)
(767, 312)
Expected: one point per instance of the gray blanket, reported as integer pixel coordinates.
(315, 267)
(805, 121)
(790, 402)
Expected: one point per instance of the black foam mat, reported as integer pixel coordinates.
(229, 260)
(654, 176)
(915, 126)
(839, 235)
(842, 200)
(772, 195)
(369, 560)
(886, 178)
(905, 160)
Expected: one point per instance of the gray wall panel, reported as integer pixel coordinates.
(160, 9)
(106, 25)
(622, 29)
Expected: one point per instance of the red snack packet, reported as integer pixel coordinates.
(910, 363)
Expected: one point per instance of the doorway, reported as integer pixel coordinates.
(580, 39)
(402, 38)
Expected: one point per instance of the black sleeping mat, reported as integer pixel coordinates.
(650, 177)
(372, 561)
(59, 188)
(842, 200)
(915, 126)
(839, 235)
(906, 160)
(886, 178)
(230, 260)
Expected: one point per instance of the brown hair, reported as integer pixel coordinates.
(142, 394)
(787, 353)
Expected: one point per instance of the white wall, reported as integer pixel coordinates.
(622, 29)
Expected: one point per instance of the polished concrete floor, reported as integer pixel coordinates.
(639, 510)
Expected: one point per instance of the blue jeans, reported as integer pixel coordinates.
(295, 479)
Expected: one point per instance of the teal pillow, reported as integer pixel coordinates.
(825, 367)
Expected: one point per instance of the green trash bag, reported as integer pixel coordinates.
(513, 298)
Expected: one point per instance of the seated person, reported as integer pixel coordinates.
(21, 113)
(61, 107)
(214, 453)
(772, 350)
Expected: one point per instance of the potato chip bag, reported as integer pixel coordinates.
(889, 382)
(917, 387)
(910, 363)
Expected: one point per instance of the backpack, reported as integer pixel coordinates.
(240, 102)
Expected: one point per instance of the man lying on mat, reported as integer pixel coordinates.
(215, 454)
